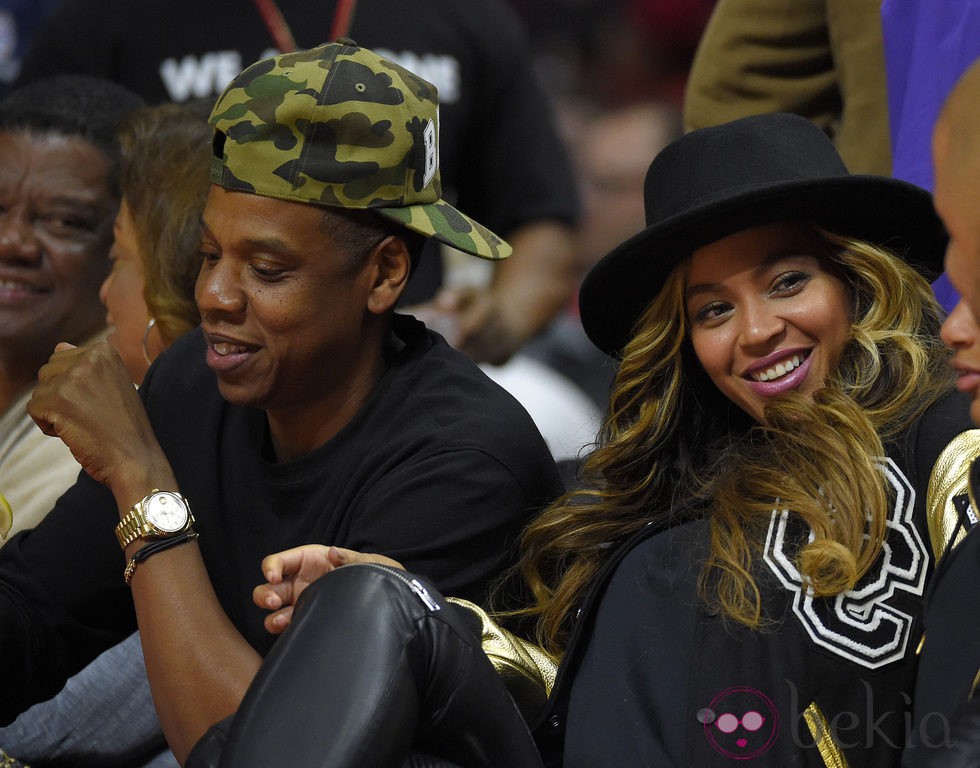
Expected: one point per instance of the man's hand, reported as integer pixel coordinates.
(85, 397)
(290, 572)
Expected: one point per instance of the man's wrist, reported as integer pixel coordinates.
(132, 486)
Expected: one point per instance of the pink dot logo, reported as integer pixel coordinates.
(740, 723)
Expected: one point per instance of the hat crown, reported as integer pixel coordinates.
(333, 125)
(729, 161)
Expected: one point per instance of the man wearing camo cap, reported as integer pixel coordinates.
(304, 410)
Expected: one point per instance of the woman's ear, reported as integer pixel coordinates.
(391, 265)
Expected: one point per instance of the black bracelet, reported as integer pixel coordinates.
(152, 548)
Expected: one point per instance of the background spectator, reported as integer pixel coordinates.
(58, 197)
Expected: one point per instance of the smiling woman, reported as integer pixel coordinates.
(779, 405)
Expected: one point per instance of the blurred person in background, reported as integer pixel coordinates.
(560, 376)
(949, 668)
(928, 46)
(821, 59)
(612, 147)
(616, 51)
(58, 196)
(19, 20)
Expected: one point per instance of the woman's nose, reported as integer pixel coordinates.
(759, 324)
(960, 328)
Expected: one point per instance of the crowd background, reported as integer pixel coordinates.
(613, 50)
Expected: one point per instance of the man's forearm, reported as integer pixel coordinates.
(198, 664)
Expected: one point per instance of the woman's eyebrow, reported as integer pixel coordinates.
(768, 261)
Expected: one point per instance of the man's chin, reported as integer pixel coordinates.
(239, 395)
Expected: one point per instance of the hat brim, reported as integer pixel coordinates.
(442, 222)
(877, 209)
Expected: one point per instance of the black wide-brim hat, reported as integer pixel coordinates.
(717, 181)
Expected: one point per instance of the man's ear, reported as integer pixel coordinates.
(391, 265)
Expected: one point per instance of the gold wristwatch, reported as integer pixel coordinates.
(159, 515)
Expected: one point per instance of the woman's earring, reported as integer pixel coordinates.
(146, 337)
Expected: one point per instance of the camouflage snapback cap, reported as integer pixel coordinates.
(339, 126)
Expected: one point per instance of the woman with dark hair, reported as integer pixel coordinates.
(741, 574)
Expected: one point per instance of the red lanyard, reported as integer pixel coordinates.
(342, 18)
(282, 35)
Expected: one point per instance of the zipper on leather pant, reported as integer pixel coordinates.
(413, 584)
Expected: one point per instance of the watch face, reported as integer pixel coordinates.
(166, 511)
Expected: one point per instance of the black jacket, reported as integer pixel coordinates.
(648, 657)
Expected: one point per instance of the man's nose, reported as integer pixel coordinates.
(218, 289)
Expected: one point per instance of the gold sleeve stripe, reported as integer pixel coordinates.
(830, 752)
(528, 671)
(950, 478)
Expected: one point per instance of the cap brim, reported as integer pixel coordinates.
(442, 222)
(877, 209)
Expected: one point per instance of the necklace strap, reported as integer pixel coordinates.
(342, 18)
(282, 35)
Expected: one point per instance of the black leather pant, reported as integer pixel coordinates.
(374, 670)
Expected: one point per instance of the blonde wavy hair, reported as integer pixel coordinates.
(673, 448)
(166, 151)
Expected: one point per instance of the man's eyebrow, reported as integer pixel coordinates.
(270, 244)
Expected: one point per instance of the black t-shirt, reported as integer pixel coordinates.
(500, 158)
(440, 470)
(654, 671)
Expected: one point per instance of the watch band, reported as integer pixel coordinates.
(153, 548)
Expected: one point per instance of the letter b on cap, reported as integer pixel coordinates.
(431, 152)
